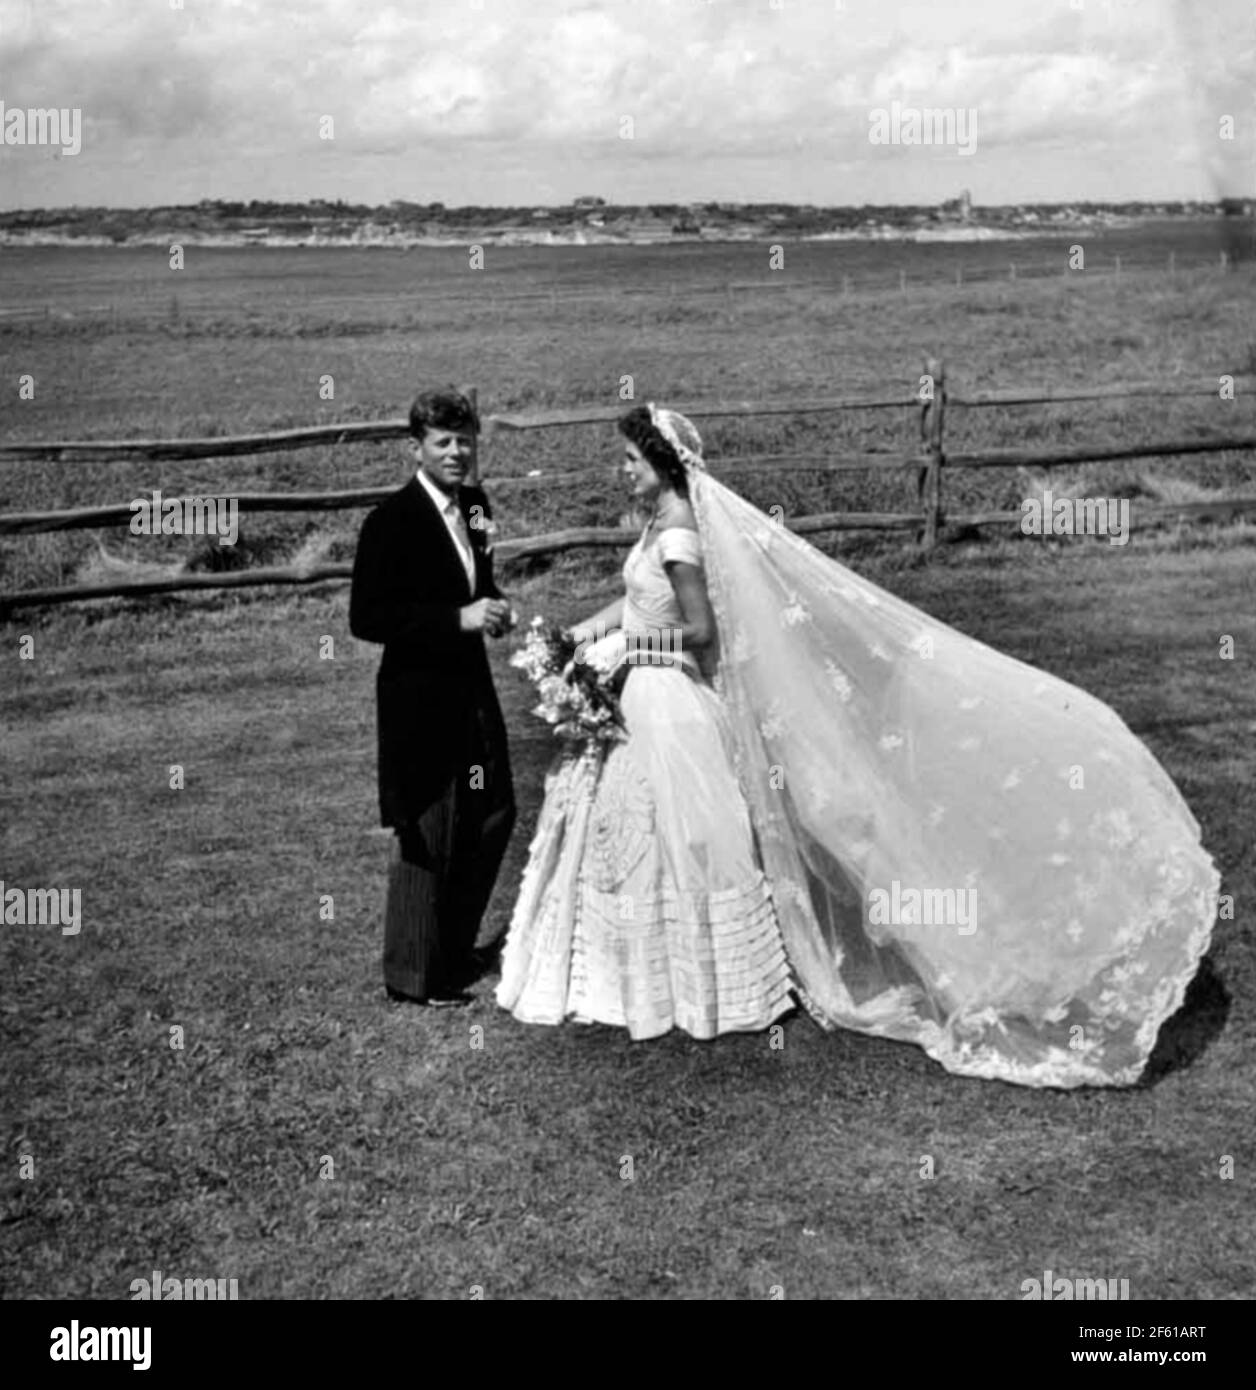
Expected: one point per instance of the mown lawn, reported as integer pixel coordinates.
(312, 1140)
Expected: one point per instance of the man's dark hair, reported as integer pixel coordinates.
(444, 409)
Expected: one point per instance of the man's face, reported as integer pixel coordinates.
(444, 456)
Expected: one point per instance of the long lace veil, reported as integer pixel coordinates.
(965, 852)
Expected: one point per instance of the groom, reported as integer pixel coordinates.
(423, 586)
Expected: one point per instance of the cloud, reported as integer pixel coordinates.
(547, 83)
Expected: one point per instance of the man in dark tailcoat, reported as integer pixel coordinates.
(423, 587)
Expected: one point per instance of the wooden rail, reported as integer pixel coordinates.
(584, 538)
(181, 450)
(234, 446)
(120, 513)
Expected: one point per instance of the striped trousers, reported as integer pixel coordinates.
(441, 876)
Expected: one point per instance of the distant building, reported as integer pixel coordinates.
(959, 209)
(588, 201)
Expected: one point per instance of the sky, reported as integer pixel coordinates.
(506, 102)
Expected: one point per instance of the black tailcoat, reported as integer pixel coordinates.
(438, 711)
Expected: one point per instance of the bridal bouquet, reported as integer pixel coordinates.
(576, 687)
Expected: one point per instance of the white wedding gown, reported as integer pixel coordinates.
(643, 904)
(960, 851)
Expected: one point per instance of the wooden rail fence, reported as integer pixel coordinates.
(929, 461)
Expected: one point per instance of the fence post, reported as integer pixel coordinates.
(933, 409)
(474, 471)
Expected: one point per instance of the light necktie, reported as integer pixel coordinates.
(458, 522)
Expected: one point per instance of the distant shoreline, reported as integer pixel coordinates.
(725, 237)
(587, 222)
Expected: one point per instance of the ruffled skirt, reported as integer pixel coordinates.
(643, 904)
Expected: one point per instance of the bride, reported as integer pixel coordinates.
(825, 791)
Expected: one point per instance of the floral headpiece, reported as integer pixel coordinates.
(671, 424)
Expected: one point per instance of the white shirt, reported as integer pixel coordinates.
(450, 514)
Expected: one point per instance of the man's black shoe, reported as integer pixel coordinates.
(433, 1001)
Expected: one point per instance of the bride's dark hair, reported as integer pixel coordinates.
(637, 427)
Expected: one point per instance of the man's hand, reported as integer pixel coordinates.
(502, 617)
(491, 615)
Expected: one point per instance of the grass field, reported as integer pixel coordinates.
(454, 1166)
